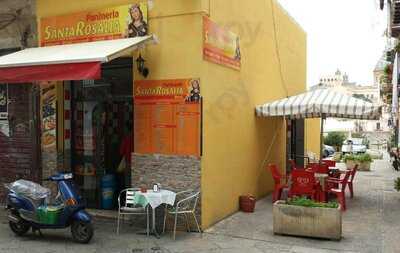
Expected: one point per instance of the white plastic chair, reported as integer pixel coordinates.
(130, 207)
(185, 206)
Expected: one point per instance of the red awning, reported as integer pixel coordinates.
(56, 72)
(81, 61)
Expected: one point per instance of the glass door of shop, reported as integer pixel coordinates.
(102, 133)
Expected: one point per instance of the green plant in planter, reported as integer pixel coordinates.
(364, 162)
(397, 184)
(364, 158)
(303, 201)
(349, 157)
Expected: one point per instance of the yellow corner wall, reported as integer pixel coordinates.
(237, 144)
(312, 136)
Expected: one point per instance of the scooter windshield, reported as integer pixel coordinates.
(29, 189)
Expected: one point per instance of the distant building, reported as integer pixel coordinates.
(340, 82)
(372, 129)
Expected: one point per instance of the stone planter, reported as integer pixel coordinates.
(364, 166)
(350, 164)
(307, 221)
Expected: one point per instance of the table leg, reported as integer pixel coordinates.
(153, 230)
(322, 196)
(153, 225)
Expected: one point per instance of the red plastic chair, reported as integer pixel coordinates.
(317, 168)
(323, 168)
(292, 164)
(303, 184)
(340, 191)
(279, 185)
(312, 167)
(352, 175)
(329, 163)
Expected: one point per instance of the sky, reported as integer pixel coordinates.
(341, 34)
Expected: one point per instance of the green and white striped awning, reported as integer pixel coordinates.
(320, 103)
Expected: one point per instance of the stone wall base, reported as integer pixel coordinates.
(176, 173)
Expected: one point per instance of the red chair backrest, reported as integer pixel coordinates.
(292, 164)
(323, 168)
(330, 163)
(312, 167)
(346, 179)
(303, 182)
(353, 173)
(276, 175)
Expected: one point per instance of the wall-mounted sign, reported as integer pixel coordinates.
(102, 24)
(3, 101)
(167, 117)
(48, 113)
(220, 45)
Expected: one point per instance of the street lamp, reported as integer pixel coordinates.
(141, 67)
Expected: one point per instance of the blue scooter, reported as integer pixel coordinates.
(24, 211)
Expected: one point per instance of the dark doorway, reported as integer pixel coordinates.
(295, 142)
(101, 128)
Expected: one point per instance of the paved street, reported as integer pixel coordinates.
(371, 224)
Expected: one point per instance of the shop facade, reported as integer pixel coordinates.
(184, 117)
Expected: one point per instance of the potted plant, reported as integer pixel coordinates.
(397, 184)
(364, 161)
(350, 161)
(304, 217)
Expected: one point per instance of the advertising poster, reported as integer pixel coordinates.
(84, 139)
(220, 46)
(167, 117)
(125, 21)
(49, 119)
(4, 124)
(3, 102)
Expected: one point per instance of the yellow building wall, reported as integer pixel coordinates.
(237, 145)
(312, 136)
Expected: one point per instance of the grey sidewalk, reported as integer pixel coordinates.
(371, 224)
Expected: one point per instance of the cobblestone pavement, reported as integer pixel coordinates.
(370, 224)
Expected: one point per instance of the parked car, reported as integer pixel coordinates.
(328, 151)
(354, 145)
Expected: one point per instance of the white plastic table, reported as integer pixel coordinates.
(154, 200)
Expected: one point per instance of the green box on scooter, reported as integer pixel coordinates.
(49, 214)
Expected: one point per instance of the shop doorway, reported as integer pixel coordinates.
(295, 142)
(101, 128)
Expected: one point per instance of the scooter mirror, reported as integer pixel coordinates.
(68, 176)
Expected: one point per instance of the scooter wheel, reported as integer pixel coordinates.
(82, 232)
(19, 228)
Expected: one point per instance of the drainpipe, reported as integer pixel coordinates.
(395, 97)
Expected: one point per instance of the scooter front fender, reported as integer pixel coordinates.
(81, 215)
